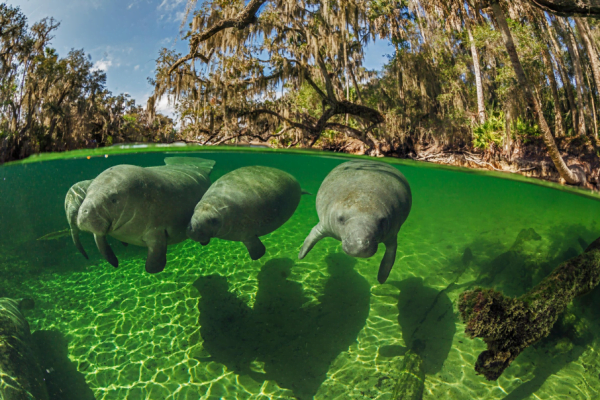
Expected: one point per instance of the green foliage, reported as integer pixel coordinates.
(525, 131)
(490, 132)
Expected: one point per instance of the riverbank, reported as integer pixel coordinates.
(531, 161)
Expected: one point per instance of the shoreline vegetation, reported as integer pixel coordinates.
(503, 86)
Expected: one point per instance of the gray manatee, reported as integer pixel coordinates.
(149, 207)
(73, 201)
(362, 203)
(21, 377)
(244, 204)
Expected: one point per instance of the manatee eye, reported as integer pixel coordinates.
(341, 219)
(114, 200)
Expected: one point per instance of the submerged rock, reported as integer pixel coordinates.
(21, 376)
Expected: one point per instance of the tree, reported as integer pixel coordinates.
(48, 103)
(250, 52)
(567, 174)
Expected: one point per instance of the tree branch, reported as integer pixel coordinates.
(244, 18)
(191, 56)
(569, 8)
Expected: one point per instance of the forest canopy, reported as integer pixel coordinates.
(49, 103)
(497, 78)
(511, 85)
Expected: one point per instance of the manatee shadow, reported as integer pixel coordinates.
(427, 319)
(63, 381)
(296, 344)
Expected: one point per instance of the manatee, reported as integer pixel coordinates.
(73, 201)
(149, 207)
(362, 203)
(244, 204)
(21, 376)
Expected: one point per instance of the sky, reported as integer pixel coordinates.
(124, 37)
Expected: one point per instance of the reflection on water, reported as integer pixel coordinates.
(217, 325)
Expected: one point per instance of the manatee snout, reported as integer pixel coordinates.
(357, 245)
(203, 226)
(197, 234)
(91, 220)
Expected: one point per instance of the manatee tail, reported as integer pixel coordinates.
(191, 162)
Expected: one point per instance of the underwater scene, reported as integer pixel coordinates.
(216, 324)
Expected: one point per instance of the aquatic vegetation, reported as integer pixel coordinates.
(20, 372)
(411, 383)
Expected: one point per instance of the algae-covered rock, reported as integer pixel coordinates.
(20, 373)
(509, 325)
(411, 383)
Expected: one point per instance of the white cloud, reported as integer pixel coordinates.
(165, 106)
(165, 41)
(171, 4)
(136, 67)
(102, 65)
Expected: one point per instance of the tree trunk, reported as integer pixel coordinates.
(595, 120)
(558, 120)
(564, 76)
(477, 71)
(574, 52)
(533, 103)
(582, 27)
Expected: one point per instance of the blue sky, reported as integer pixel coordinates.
(124, 36)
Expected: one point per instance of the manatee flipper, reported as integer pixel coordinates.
(77, 242)
(73, 200)
(313, 237)
(387, 262)
(305, 192)
(125, 244)
(105, 250)
(255, 247)
(157, 251)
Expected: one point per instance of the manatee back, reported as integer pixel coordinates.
(253, 201)
(365, 186)
(186, 171)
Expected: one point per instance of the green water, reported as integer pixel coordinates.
(216, 325)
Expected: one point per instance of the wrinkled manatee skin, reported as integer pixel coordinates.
(362, 203)
(245, 204)
(21, 376)
(149, 207)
